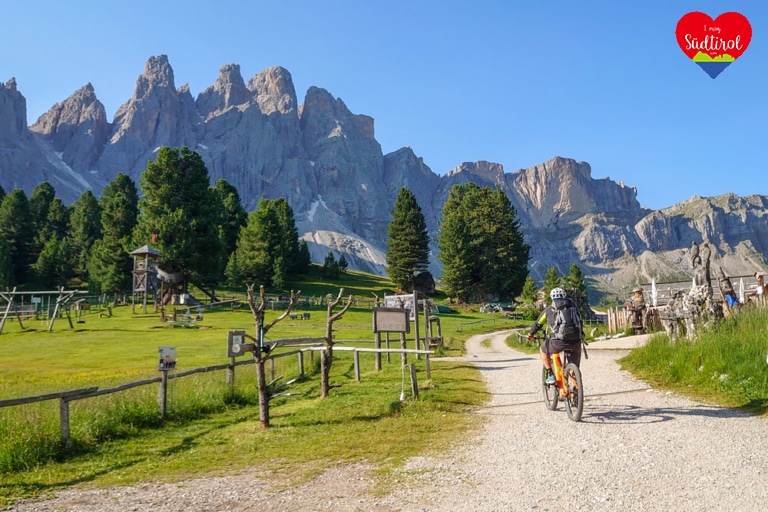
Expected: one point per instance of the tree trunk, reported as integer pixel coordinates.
(264, 397)
(326, 359)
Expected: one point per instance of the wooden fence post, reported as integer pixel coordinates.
(301, 364)
(377, 345)
(414, 383)
(64, 421)
(386, 337)
(162, 393)
(356, 356)
(231, 379)
(427, 367)
(403, 355)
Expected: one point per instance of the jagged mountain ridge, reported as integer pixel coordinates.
(326, 161)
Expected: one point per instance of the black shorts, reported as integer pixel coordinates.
(554, 346)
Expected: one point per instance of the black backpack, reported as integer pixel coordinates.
(567, 324)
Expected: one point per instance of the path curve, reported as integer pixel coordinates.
(636, 449)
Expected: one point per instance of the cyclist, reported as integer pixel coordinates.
(552, 343)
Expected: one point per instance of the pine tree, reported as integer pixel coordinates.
(343, 264)
(268, 246)
(575, 279)
(481, 246)
(83, 230)
(551, 280)
(408, 242)
(180, 217)
(530, 292)
(16, 229)
(233, 216)
(330, 266)
(110, 266)
(305, 260)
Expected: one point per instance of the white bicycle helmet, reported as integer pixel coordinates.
(557, 294)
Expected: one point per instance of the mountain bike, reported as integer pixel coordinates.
(568, 385)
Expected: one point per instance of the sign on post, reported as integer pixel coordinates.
(167, 358)
(391, 320)
(236, 344)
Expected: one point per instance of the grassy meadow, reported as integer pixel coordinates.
(727, 364)
(120, 438)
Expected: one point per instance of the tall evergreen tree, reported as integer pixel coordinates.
(530, 292)
(40, 201)
(343, 263)
(110, 266)
(551, 280)
(84, 229)
(305, 260)
(330, 266)
(268, 246)
(16, 229)
(481, 246)
(2, 193)
(179, 216)
(52, 267)
(233, 216)
(408, 241)
(575, 279)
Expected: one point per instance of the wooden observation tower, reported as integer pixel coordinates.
(144, 275)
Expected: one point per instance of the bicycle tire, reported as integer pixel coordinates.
(551, 392)
(574, 402)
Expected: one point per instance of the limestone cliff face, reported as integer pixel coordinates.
(26, 159)
(157, 115)
(77, 128)
(325, 160)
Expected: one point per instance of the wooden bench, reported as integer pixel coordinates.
(294, 316)
(305, 316)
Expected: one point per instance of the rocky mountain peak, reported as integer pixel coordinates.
(228, 91)
(274, 91)
(487, 171)
(562, 188)
(157, 73)
(13, 109)
(77, 128)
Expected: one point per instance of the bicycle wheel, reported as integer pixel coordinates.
(550, 391)
(574, 402)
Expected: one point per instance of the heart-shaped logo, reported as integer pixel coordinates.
(713, 44)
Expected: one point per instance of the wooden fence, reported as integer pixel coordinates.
(65, 397)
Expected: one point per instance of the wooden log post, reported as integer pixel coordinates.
(403, 355)
(356, 356)
(416, 319)
(377, 345)
(64, 421)
(386, 337)
(414, 382)
(427, 367)
(162, 393)
(230, 379)
(301, 365)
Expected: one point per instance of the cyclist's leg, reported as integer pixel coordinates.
(544, 351)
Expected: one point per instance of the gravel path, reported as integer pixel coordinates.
(636, 449)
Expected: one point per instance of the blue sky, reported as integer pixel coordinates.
(513, 82)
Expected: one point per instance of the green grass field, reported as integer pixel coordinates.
(120, 438)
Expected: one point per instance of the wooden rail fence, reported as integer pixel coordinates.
(65, 397)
